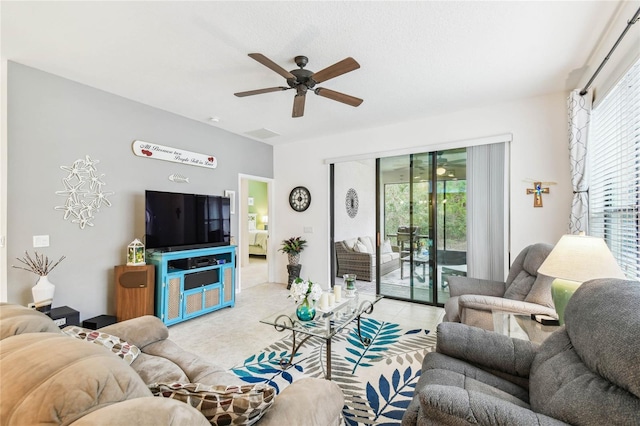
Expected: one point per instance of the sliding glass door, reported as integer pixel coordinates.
(427, 216)
(421, 224)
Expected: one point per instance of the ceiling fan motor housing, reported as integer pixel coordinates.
(302, 77)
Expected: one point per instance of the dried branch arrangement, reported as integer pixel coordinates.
(39, 264)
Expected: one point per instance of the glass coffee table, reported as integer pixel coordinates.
(325, 325)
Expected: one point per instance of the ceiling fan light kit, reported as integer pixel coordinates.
(304, 80)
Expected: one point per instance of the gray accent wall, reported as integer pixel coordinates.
(52, 122)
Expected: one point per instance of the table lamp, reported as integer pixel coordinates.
(574, 260)
(265, 221)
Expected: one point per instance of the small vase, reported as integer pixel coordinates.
(350, 284)
(305, 310)
(294, 259)
(43, 291)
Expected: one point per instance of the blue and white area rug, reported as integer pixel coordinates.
(377, 380)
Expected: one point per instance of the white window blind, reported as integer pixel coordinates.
(614, 170)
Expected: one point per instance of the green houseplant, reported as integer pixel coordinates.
(292, 247)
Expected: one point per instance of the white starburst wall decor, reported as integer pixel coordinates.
(83, 187)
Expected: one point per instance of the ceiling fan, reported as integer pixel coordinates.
(303, 80)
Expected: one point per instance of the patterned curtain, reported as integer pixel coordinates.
(579, 117)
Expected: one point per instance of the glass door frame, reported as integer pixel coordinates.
(432, 228)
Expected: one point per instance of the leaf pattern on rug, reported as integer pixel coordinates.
(391, 400)
(377, 380)
(381, 334)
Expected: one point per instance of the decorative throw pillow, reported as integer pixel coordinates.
(351, 243)
(368, 243)
(360, 248)
(119, 347)
(221, 405)
(386, 247)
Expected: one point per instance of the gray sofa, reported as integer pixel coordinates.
(352, 258)
(473, 300)
(586, 373)
(48, 377)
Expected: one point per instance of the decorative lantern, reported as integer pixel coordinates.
(135, 253)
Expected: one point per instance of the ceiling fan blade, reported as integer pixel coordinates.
(298, 105)
(261, 91)
(271, 65)
(344, 66)
(337, 96)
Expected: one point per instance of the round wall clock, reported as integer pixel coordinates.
(300, 198)
(351, 203)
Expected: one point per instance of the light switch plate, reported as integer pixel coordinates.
(308, 229)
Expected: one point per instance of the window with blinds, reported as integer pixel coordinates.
(614, 169)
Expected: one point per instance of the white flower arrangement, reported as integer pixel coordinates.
(301, 289)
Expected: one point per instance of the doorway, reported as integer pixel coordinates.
(254, 250)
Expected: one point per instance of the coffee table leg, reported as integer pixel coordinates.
(286, 363)
(328, 375)
(365, 308)
(281, 326)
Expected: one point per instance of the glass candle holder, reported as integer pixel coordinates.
(350, 284)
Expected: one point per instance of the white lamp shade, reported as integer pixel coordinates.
(581, 258)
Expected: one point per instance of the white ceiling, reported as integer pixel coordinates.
(417, 58)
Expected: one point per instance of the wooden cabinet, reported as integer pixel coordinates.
(190, 283)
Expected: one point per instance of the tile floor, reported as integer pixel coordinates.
(229, 336)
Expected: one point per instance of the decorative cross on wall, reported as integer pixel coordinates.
(537, 192)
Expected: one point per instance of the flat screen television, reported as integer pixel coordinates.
(177, 221)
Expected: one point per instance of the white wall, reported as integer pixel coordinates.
(361, 176)
(539, 151)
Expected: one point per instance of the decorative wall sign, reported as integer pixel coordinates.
(83, 189)
(160, 152)
(351, 203)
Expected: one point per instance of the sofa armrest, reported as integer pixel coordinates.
(507, 355)
(491, 303)
(17, 319)
(151, 411)
(141, 331)
(466, 285)
(453, 405)
(309, 401)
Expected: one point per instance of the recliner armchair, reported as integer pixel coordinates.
(585, 373)
(473, 300)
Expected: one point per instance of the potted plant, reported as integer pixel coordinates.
(293, 246)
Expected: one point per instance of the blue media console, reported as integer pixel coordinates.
(190, 283)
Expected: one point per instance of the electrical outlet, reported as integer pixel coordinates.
(41, 241)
